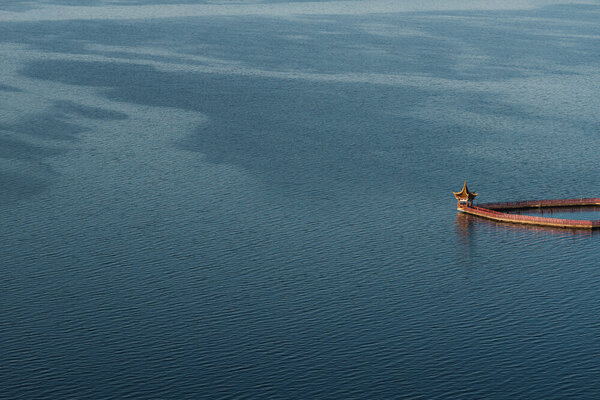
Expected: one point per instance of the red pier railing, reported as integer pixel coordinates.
(489, 211)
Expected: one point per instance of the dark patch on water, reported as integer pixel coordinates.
(285, 130)
(44, 125)
(8, 88)
(16, 186)
(13, 148)
(254, 122)
(443, 49)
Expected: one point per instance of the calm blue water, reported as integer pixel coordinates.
(257, 204)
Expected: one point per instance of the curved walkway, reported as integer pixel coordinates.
(491, 211)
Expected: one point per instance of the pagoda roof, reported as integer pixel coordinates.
(465, 193)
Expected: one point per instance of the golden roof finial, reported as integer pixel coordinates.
(465, 194)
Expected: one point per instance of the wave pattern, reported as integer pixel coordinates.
(252, 207)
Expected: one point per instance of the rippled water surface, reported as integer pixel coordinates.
(207, 201)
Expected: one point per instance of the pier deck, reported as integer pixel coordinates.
(492, 211)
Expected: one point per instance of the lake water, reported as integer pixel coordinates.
(254, 201)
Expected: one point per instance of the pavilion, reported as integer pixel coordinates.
(464, 197)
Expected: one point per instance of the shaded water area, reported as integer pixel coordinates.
(219, 205)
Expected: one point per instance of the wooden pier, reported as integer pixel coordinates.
(494, 211)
